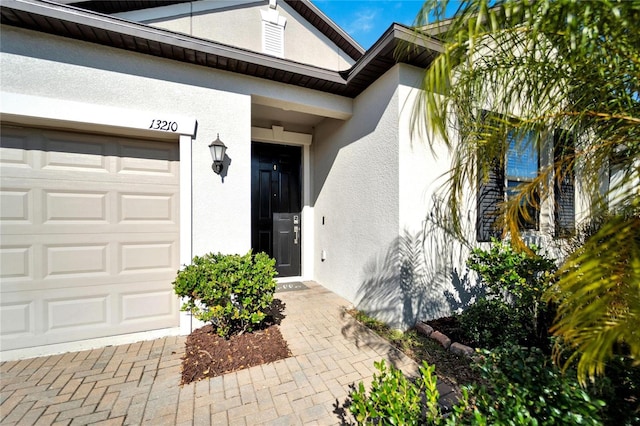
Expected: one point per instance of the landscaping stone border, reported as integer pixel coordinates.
(444, 340)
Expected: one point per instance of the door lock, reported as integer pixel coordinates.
(295, 232)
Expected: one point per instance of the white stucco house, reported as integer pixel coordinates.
(107, 113)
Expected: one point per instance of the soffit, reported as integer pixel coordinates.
(67, 21)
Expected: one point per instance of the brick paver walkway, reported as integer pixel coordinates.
(139, 383)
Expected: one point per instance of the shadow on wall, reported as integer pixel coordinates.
(418, 278)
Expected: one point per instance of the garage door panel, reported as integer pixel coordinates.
(90, 236)
(147, 256)
(82, 156)
(33, 318)
(87, 228)
(75, 260)
(17, 318)
(96, 158)
(16, 205)
(141, 158)
(16, 262)
(139, 306)
(67, 177)
(140, 257)
(146, 207)
(74, 206)
(57, 202)
(77, 312)
(61, 207)
(33, 262)
(128, 279)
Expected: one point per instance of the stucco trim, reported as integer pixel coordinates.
(41, 111)
(277, 134)
(341, 108)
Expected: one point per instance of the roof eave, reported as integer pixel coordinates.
(403, 42)
(417, 49)
(71, 15)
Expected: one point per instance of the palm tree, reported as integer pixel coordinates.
(567, 71)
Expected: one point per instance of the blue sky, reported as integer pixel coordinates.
(365, 21)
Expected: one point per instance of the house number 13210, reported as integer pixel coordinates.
(167, 126)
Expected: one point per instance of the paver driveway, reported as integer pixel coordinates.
(139, 383)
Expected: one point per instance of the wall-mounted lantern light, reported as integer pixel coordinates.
(218, 149)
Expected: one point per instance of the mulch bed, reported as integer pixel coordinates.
(209, 355)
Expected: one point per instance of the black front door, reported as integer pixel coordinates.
(275, 205)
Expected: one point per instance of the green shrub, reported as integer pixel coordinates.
(489, 323)
(233, 292)
(515, 282)
(521, 277)
(395, 400)
(523, 387)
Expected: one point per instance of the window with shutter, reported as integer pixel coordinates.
(521, 165)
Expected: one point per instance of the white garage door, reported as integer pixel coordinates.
(89, 236)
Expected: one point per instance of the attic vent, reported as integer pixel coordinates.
(272, 39)
(273, 32)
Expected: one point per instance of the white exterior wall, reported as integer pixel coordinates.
(83, 86)
(240, 25)
(356, 192)
(434, 278)
(374, 188)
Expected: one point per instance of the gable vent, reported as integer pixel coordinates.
(272, 39)
(273, 31)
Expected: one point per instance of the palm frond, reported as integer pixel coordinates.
(548, 64)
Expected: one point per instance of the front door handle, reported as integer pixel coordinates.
(295, 232)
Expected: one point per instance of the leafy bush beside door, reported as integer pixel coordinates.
(231, 291)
